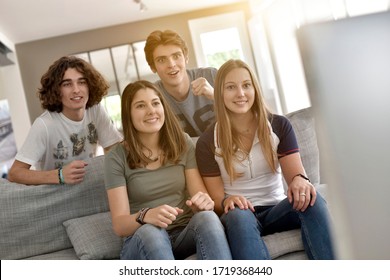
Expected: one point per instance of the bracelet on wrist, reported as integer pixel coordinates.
(302, 176)
(141, 216)
(61, 176)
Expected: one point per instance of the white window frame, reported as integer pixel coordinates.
(218, 22)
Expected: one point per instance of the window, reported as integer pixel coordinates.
(273, 25)
(120, 65)
(219, 38)
(221, 45)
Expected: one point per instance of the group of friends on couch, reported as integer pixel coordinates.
(170, 198)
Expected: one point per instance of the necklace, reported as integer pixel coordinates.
(154, 159)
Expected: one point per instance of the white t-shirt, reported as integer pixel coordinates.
(54, 140)
(258, 183)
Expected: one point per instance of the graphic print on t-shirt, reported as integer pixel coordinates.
(61, 152)
(78, 144)
(92, 134)
(203, 118)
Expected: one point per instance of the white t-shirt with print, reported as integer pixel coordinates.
(54, 140)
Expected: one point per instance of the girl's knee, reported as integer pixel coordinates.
(148, 242)
(149, 232)
(320, 204)
(321, 200)
(318, 211)
(236, 216)
(207, 220)
(206, 217)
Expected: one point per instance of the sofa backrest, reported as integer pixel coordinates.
(31, 217)
(304, 127)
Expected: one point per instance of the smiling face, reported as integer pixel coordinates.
(74, 94)
(147, 112)
(238, 91)
(170, 64)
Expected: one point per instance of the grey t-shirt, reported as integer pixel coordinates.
(195, 113)
(152, 188)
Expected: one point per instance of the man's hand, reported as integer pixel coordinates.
(74, 172)
(201, 86)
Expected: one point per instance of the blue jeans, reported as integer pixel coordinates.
(244, 229)
(204, 235)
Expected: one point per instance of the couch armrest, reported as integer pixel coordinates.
(304, 126)
(31, 217)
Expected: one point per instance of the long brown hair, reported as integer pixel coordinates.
(228, 137)
(171, 140)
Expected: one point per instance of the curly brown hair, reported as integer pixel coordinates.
(49, 93)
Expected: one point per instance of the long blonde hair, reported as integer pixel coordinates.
(171, 140)
(228, 136)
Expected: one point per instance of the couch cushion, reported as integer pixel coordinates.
(281, 243)
(93, 237)
(66, 254)
(31, 217)
(304, 127)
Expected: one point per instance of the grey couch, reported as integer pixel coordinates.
(73, 222)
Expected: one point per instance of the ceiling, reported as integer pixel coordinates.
(27, 20)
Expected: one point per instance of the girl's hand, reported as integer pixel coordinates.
(230, 202)
(162, 216)
(200, 202)
(301, 193)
